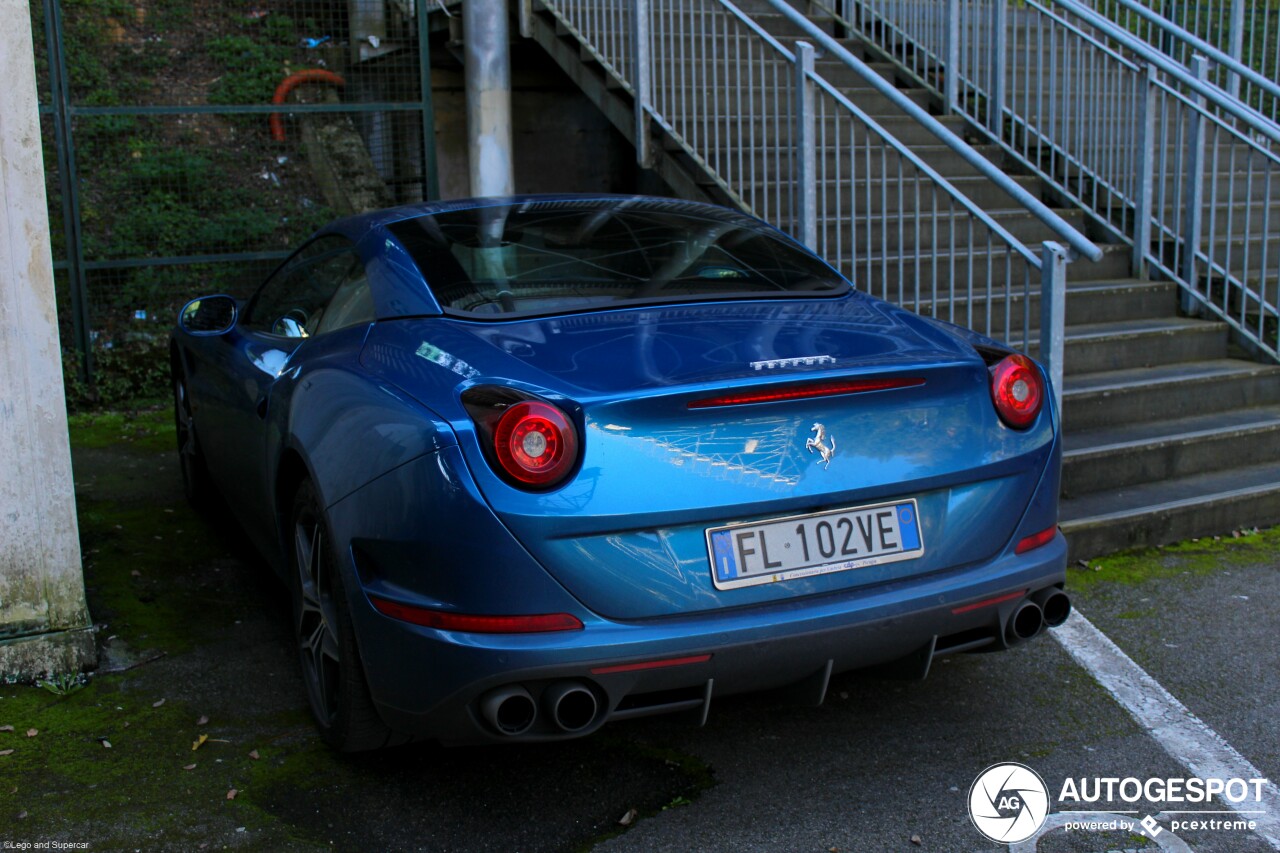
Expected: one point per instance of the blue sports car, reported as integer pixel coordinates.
(532, 464)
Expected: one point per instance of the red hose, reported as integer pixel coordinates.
(287, 85)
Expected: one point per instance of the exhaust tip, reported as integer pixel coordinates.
(1056, 607)
(510, 710)
(1027, 621)
(571, 706)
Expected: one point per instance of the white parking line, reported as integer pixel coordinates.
(1182, 734)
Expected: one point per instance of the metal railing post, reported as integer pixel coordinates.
(806, 149)
(1235, 45)
(1053, 314)
(951, 80)
(69, 192)
(1193, 191)
(999, 47)
(643, 82)
(1145, 143)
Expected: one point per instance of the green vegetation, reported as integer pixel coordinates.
(1197, 556)
(254, 64)
(157, 187)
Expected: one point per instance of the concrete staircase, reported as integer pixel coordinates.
(1167, 435)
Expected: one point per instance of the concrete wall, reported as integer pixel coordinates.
(562, 143)
(43, 618)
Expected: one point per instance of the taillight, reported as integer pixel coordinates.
(535, 443)
(1017, 390)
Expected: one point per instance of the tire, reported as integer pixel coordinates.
(196, 485)
(331, 670)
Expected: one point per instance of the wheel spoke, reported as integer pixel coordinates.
(316, 617)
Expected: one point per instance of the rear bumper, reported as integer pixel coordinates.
(431, 683)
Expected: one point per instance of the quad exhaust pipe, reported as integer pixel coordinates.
(1045, 608)
(1054, 604)
(510, 710)
(1026, 622)
(570, 705)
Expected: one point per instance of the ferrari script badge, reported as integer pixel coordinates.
(819, 443)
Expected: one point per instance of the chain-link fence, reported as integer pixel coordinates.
(189, 146)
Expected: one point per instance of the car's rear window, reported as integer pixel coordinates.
(557, 257)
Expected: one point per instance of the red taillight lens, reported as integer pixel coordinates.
(446, 621)
(535, 443)
(1035, 540)
(1016, 390)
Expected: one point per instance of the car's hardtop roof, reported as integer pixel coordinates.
(356, 227)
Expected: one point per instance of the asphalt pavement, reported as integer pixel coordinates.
(196, 644)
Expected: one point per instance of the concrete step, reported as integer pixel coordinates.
(728, 159)
(1164, 391)
(755, 128)
(739, 69)
(1110, 458)
(953, 226)
(1087, 303)
(707, 97)
(839, 196)
(1118, 345)
(906, 279)
(1169, 510)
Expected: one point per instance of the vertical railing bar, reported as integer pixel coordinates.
(1194, 195)
(1145, 144)
(805, 209)
(951, 81)
(1235, 46)
(995, 94)
(641, 58)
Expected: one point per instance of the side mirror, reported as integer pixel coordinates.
(208, 316)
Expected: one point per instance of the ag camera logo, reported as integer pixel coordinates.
(1008, 802)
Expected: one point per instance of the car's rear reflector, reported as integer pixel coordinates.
(806, 391)
(649, 664)
(988, 602)
(445, 621)
(1035, 540)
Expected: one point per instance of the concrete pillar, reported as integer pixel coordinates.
(488, 55)
(44, 622)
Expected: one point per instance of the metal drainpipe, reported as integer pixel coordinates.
(488, 85)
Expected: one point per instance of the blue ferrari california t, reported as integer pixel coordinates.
(529, 465)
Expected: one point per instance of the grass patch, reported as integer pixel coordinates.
(1195, 556)
(147, 429)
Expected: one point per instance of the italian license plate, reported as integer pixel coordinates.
(802, 545)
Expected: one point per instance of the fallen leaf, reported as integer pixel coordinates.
(203, 721)
(628, 818)
(231, 795)
(32, 732)
(157, 703)
(6, 752)
(189, 767)
(6, 728)
(198, 742)
(254, 754)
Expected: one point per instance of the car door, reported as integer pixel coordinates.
(270, 337)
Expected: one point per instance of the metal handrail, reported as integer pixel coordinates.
(1256, 121)
(1073, 238)
(754, 114)
(1151, 151)
(1220, 57)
